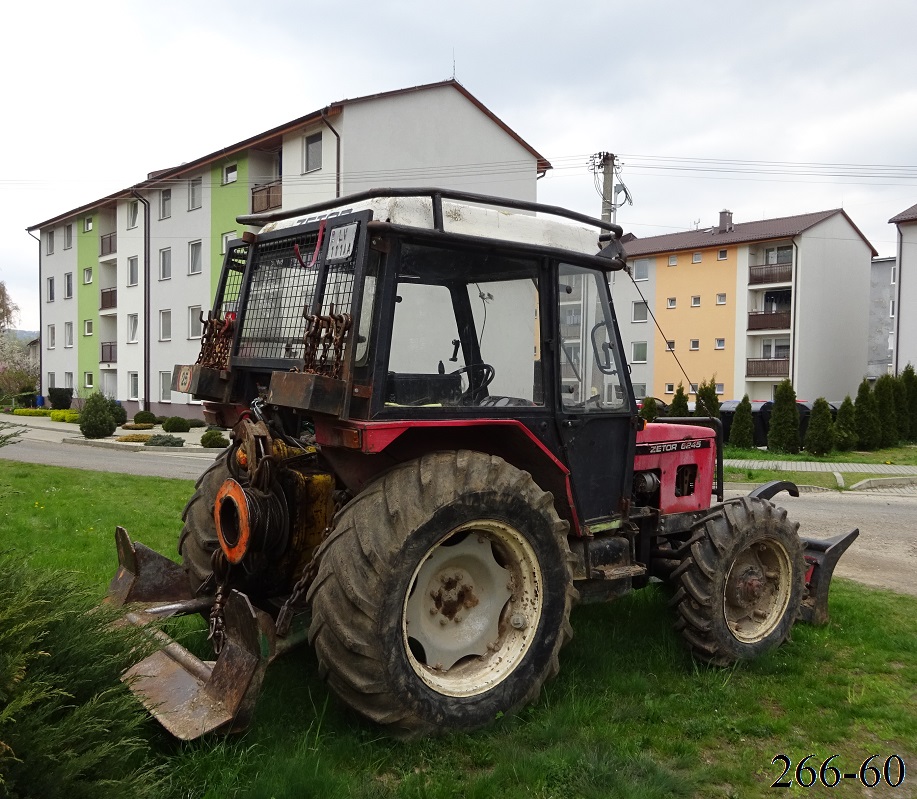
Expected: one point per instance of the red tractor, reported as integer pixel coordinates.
(436, 454)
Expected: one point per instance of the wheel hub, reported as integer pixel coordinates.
(757, 590)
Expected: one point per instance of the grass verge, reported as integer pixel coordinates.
(631, 715)
(821, 479)
(900, 456)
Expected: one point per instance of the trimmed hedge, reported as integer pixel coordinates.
(176, 424)
(61, 398)
(197, 423)
(137, 426)
(135, 438)
(213, 439)
(160, 440)
(65, 416)
(32, 412)
(144, 417)
(96, 420)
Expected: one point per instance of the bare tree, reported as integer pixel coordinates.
(9, 311)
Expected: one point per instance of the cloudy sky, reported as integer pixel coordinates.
(768, 108)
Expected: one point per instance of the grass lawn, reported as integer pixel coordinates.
(900, 456)
(631, 715)
(822, 479)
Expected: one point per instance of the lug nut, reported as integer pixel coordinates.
(519, 621)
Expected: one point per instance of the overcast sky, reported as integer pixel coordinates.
(98, 94)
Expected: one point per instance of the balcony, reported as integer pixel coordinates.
(771, 273)
(108, 244)
(267, 197)
(767, 367)
(109, 352)
(769, 320)
(108, 299)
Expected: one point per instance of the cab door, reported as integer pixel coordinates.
(597, 415)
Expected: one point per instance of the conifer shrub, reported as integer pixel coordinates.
(117, 411)
(866, 414)
(95, 419)
(61, 398)
(214, 439)
(742, 431)
(679, 406)
(137, 426)
(160, 440)
(820, 435)
(901, 409)
(176, 424)
(144, 417)
(197, 423)
(135, 438)
(783, 433)
(909, 378)
(845, 430)
(708, 404)
(884, 390)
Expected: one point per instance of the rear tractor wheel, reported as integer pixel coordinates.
(740, 586)
(443, 596)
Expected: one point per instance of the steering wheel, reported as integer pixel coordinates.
(475, 387)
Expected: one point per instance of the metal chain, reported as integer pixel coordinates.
(217, 626)
(309, 572)
(216, 341)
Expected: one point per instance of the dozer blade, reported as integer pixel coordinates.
(145, 576)
(821, 557)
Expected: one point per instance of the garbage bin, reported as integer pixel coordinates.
(727, 412)
(761, 417)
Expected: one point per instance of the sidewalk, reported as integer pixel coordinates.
(817, 466)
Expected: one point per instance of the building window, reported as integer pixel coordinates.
(68, 379)
(720, 344)
(894, 274)
(673, 260)
(670, 345)
(165, 325)
(312, 152)
(694, 344)
(695, 301)
(87, 327)
(891, 309)
(695, 259)
(642, 269)
(638, 352)
(165, 203)
(778, 255)
(194, 321)
(49, 243)
(669, 388)
(68, 334)
(640, 312)
(639, 390)
(692, 388)
(87, 224)
(68, 236)
(670, 302)
(88, 381)
(50, 381)
(720, 388)
(721, 255)
(165, 386)
(87, 275)
(165, 264)
(133, 270)
(194, 258)
(51, 342)
(133, 213)
(226, 238)
(195, 193)
(68, 285)
(230, 173)
(720, 299)
(132, 326)
(133, 385)
(50, 286)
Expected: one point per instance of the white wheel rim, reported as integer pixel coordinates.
(472, 609)
(758, 589)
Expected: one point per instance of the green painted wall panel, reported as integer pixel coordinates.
(226, 203)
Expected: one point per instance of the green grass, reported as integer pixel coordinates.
(631, 715)
(822, 479)
(900, 456)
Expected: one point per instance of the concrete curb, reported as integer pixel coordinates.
(883, 482)
(129, 446)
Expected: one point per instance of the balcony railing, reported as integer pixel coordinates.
(108, 244)
(767, 367)
(770, 273)
(108, 299)
(769, 320)
(267, 197)
(109, 352)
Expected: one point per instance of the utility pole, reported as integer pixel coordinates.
(608, 178)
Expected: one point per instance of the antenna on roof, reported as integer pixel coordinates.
(453, 63)
(696, 223)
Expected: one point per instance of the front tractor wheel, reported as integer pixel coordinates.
(443, 596)
(740, 586)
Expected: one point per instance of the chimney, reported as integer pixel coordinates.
(725, 225)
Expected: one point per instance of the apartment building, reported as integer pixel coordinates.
(125, 278)
(750, 304)
(904, 303)
(882, 307)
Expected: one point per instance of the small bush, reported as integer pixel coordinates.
(742, 430)
(909, 378)
(145, 417)
(679, 406)
(96, 420)
(214, 439)
(32, 412)
(820, 434)
(135, 438)
(159, 419)
(866, 415)
(845, 430)
(884, 390)
(65, 416)
(176, 424)
(137, 426)
(161, 440)
(197, 423)
(61, 398)
(708, 404)
(117, 411)
(783, 434)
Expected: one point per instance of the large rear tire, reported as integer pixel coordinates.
(740, 587)
(443, 596)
